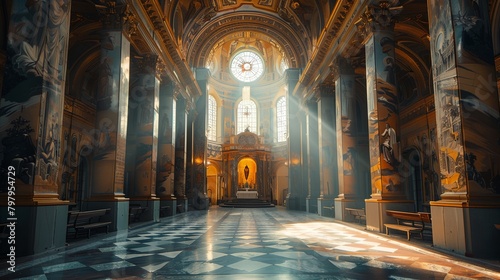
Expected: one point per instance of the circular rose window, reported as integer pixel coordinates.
(247, 66)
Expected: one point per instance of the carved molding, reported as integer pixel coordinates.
(378, 17)
(332, 31)
(202, 39)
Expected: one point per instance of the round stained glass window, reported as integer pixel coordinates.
(247, 66)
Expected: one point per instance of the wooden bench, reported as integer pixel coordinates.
(180, 208)
(358, 214)
(135, 212)
(87, 220)
(330, 208)
(164, 210)
(409, 222)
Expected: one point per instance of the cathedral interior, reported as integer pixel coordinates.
(179, 115)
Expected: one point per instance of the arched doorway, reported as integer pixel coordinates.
(212, 186)
(414, 185)
(83, 179)
(281, 184)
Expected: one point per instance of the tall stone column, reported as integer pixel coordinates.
(143, 136)
(181, 114)
(294, 142)
(313, 177)
(377, 26)
(108, 177)
(303, 191)
(197, 193)
(31, 111)
(327, 151)
(3, 60)
(468, 132)
(346, 142)
(166, 146)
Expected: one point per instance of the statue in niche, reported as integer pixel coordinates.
(387, 148)
(246, 171)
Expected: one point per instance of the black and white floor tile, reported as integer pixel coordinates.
(250, 244)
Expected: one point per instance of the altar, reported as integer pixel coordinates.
(247, 194)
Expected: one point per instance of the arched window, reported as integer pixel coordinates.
(212, 118)
(247, 116)
(281, 119)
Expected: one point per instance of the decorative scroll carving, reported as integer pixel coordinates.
(341, 65)
(378, 17)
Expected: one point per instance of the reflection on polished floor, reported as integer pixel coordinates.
(270, 243)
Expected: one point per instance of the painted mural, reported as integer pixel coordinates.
(144, 97)
(328, 148)
(465, 95)
(35, 69)
(166, 148)
(382, 113)
(112, 102)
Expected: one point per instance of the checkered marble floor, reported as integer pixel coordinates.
(269, 243)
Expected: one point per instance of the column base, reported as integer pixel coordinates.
(37, 229)
(341, 204)
(312, 205)
(168, 206)
(326, 207)
(467, 231)
(182, 205)
(152, 205)
(375, 212)
(292, 202)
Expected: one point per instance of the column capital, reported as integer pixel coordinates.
(378, 16)
(147, 63)
(117, 16)
(341, 65)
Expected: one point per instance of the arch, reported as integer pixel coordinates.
(281, 184)
(200, 41)
(281, 119)
(213, 184)
(243, 119)
(212, 118)
(413, 171)
(82, 187)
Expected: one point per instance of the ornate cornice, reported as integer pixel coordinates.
(200, 41)
(336, 27)
(166, 47)
(117, 16)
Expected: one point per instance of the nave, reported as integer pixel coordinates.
(271, 243)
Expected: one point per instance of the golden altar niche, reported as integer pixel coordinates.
(246, 164)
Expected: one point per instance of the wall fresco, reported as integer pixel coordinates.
(145, 130)
(166, 148)
(33, 90)
(180, 149)
(465, 96)
(112, 102)
(327, 144)
(344, 87)
(382, 114)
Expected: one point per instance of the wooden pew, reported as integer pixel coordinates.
(358, 214)
(164, 210)
(409, 222)
(87, 220)
(135, 212)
